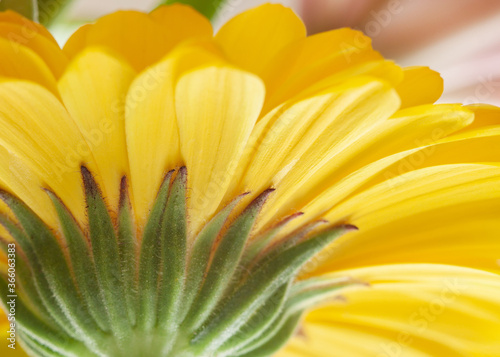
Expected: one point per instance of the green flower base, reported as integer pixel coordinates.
(109, 295)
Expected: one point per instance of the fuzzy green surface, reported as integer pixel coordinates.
(223, 295)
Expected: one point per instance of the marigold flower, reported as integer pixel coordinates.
(167, 192)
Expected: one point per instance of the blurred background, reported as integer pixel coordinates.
(458, 38)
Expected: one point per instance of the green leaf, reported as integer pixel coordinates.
(209, 8)
(27, 8)
(224, 264)
(106, 254)
(149, 264)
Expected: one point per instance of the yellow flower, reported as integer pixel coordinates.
(340, 133)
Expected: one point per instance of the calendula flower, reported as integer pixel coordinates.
(168, 192)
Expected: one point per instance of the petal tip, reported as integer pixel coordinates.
(349, 227)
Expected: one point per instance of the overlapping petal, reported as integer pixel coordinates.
(30, 27)
(340, 132)
(152, 95)
(420, 85)
(148, 40)
(41, 148)
(93, 90)
(252, 39)
(21, 62)
(415, 310)
(217, 109)
(426, 215)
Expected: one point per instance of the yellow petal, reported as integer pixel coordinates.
(216, 108)
(440, 214)
(298, 146)
(469, 147)
(23, 63)
(475, 146)
(77, 42)
(152, 134)
(49, 52)
(150, 38)
(484, 115)
(29, 26)
(307, 61)
(151, 124)
(382, 69)
(414, 310)
(37, 129)
(16, 176)
(93, 89)
(420, 85)
(179, 23)
(142, 43)
(389, 142)
(251, 39)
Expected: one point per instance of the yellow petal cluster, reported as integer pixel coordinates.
(341, 133)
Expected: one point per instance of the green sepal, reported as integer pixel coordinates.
(258, 323)
(106, 255)
(149, 263)
(270, 251)
(81, 261)
(54, 278)
(259, 243)
(200, 253)
(259, 287)
(40, 282)
(128, 250)
(223, 295)
(56, 340)
(289, 241)
(312, 291)
(277, 341)
(224, 264)
(34, 348)
(173, 248)
(303, 295)
(25, 282)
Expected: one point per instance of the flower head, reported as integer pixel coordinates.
(165, 190)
